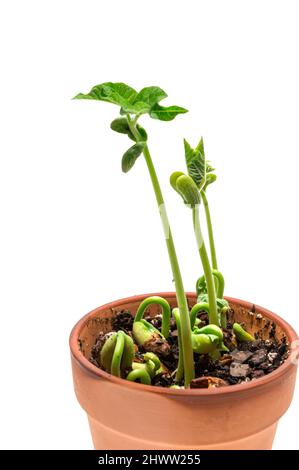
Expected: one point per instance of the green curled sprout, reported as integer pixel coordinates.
(166, 312)
(196, 309)
(117, 353)
(139, 374)
(145, 371)
(241, 334)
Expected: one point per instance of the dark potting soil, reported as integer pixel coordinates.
(244, 362)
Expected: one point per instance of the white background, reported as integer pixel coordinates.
(76, 232)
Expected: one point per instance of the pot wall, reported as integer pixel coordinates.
(125, 415)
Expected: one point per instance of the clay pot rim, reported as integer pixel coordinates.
(222, 391)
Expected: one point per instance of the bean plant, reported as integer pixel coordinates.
(117, 355)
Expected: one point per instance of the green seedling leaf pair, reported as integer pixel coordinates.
(131, 102)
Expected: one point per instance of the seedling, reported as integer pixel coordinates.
(132, 105)
(192, 187)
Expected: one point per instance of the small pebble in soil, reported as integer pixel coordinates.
(272, 356)
(207, 382)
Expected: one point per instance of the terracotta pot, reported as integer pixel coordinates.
(126, 415)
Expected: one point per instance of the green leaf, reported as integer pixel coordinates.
(131, 102)
(130, 156)
(116, 93)
(196, 164)
(120, 125)
(166, 113)
(147, 98)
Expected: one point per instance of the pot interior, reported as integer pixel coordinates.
(254, 319)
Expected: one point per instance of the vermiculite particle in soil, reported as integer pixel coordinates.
(241, 356)
(259, 357)
(239, 370)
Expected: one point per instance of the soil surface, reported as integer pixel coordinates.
(244, 362)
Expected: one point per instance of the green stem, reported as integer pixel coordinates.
(118, 352)
(213, 316)
(180, 370)
(139, 374)
(210, 230)
(166, 312)
(220, 283)
(179, 287)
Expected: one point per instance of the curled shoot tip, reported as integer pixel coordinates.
(166, 312)
(139, 374)
(196, 309)
(145, 371)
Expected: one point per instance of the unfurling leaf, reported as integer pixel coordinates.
(196, 164)
(167, 113)
(131, 155)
